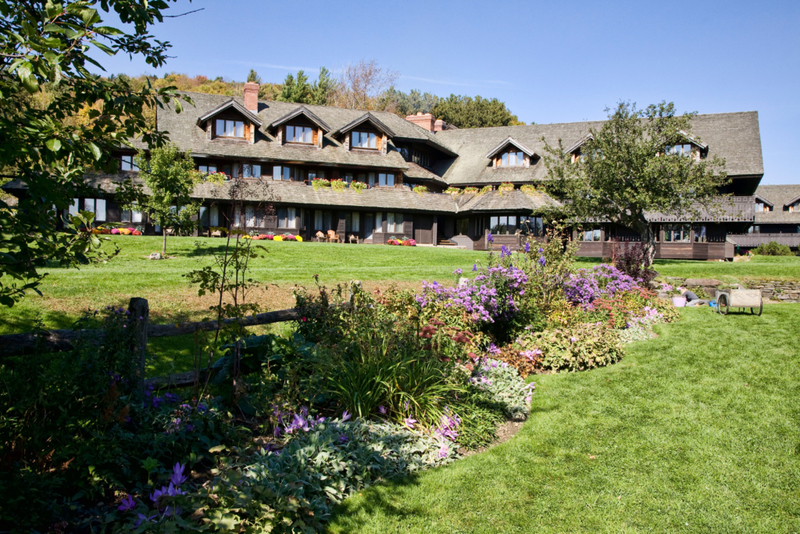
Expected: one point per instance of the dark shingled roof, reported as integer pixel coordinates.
(230, 104)
(733, 136)
(187, 135)
(509, 141)
(779, 196)
(302, 110)
(515, 200)
(366, 117)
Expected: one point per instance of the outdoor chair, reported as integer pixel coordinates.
(352, 238)
(320, 236)
(333, 237)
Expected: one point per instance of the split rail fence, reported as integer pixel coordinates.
(61, 340)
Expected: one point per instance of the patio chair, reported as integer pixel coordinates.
(333, 237)
(352, 238)
(320, 236)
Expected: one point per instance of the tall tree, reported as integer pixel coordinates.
(163, 190)
(52, 44)
(631, 166)
(404, 104)
(324, 89)
(362, 83)
(253, 76)
(478, 112)
(296, 89)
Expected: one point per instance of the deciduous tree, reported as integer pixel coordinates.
(53, 44)
(627, 168)
(163, 190)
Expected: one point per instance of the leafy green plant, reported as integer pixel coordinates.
(773, 248)
(577, 348)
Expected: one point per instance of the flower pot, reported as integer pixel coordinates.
(679, 302)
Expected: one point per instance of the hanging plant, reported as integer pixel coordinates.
(470, 190)
(420, 189)
(485, 189)
(455, 191)
(528, 189)
(319, 183)
(338, 185)
(506, 186)
(358, 187)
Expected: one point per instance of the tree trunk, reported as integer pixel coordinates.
(164, 243)
(648, 236)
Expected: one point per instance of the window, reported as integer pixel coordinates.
(251, 170)
(379, 221)
(754, 230)
(318, 220)
(676, 233)
(287, 217)
(299, 134)
(371, 179)
(316, 174)
(386, 179)
(74, 207)
(512, 159)
(282, 173)
(592, 234)
(394, 223)
(207, 169)
(131, 217)
(348, 177)
(127, 163)
(363, 140)
(229, 128)
(680, 150)
(420, 158)
(503, 224)
(462, 226)
(700, 234)
(406, 153)
(213, 216)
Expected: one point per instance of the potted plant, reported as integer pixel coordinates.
(358, 186)
(318, 183)
(676, 293)
(506, 186)
(420, 189)
(338, 185)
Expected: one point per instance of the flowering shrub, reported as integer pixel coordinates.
(358, 186)
(603, 280)
(277, 238)
(576, 348)
(488, 297)
(338, 185)
(409, 243)
(401, 242)
(319, 183)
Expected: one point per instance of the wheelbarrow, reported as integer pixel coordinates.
(739, 298)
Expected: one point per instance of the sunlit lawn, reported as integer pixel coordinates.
(696, 431)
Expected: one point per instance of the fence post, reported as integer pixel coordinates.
(140, 315)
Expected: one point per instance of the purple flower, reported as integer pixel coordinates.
(343, 439)
(527, 247)
(345, 416)
(489, 238)
(542, 261)
(127, 504)
(382, 410)
(443, 451)
(410, 422)
(143, 518)
(458, 272)
(474, 267)
(178, 477)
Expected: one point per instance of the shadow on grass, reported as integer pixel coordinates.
(204, 249)
(353, 513)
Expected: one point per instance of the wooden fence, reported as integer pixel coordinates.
(60, 340)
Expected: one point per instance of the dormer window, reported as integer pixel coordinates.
(681, 150)
(364, 140)
(299, 134)
(512, 159)
(229, 128)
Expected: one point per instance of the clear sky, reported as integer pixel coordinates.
(555, 61)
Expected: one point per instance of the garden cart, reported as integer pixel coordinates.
(739, 298)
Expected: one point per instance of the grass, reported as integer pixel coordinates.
(696, 431)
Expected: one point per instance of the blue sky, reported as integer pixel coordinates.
(557, 61)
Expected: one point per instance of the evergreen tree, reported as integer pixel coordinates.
(478, 112)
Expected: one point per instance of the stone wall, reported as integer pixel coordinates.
(777, 290)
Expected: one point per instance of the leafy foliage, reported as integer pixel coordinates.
(477, 112)
(773, 248)
(577, 348)
(634, 260)
(625, 170)
(44, 84)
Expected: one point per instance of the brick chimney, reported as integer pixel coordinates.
(439, 125)
(251, 96)
(424, 120)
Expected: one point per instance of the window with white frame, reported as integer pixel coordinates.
(363, 140)
(131, 216)
(680, 150)
(229, 128)
(512, 159)
(299, 134)
(591, 234)
(127, 163)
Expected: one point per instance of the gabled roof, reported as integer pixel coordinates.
(304, 111)
(579, 143)
(694, 141)
(509, 141)
(764, 200)
(231, 104)
(792, 201)
(366, 117)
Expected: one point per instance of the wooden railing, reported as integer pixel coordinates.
(61, 340)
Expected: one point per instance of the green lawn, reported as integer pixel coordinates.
(696, 431)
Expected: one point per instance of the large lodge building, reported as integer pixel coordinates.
(273, 152)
